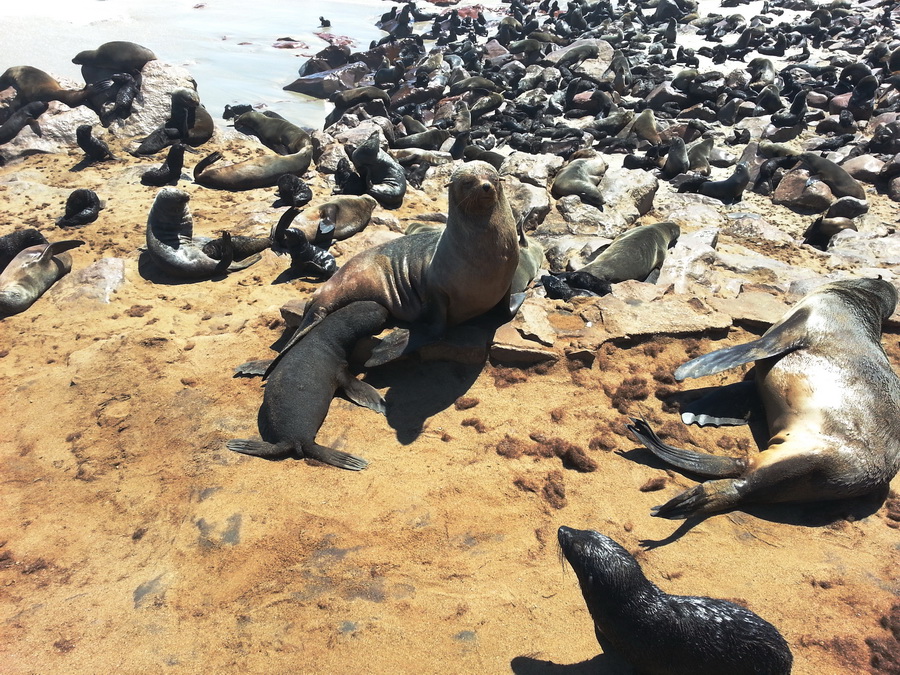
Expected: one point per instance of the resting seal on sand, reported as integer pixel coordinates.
(35, 269)
(832, 404)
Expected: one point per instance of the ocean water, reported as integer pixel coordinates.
(226, 44)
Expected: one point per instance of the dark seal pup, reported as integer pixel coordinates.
(662, 634)
(299, 391)
(832, 405)
(82, 208)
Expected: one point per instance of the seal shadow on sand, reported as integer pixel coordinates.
(420, 389)
(602, 664)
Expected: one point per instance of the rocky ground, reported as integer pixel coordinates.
(132, 540)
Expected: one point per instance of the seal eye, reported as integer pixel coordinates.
(485, 186)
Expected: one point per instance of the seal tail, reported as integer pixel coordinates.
(713, 466)
(334, 457)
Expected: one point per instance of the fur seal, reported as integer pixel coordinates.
(34, 269)
(173, 247)
(842, 184)
(299, 391)
(26, 116)
(440, 277)
(306, 258)
(188, 122)
(633, 255)
(118, 55)
(662, 634)
(259, 172)
(832, 403)
(95, 150)
(292, 191)
(15, 242)
(276, 133)
(581, 177)
(170, 171)
(82, 208)
(32, 84)
(732, 188)
(385, 178)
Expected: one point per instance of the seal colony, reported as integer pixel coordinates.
(532, 122)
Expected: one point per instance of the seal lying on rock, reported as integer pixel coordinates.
(173, 247)
(440, 278)
(662, 634)
(633, 255)
(26, 116)
(299, 391)
(832, 405)
(35, 269)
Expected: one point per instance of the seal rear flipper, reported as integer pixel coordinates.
(707, 498)
(780, 339)
(361, 393)
(731, 405)
(252, 368)
(695, 462)
(245, 263)
(204, 163)
(259, 448)
(335, 457)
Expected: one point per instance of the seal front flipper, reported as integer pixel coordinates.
(781, 338)
(394, 345)
(252, 368)
(730, 405)
(60, 247)
(259, 448)
(361, 393)
(336, 458)
(695, 462)
(245, 263)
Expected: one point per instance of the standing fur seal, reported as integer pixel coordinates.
(662, 634)
(173, 247)
(32, 272)
(440, 277)
(95, 150)
(832, 405)
(299, 391)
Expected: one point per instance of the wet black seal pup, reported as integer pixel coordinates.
(662, 634)
(299, 390)
(832, 404)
